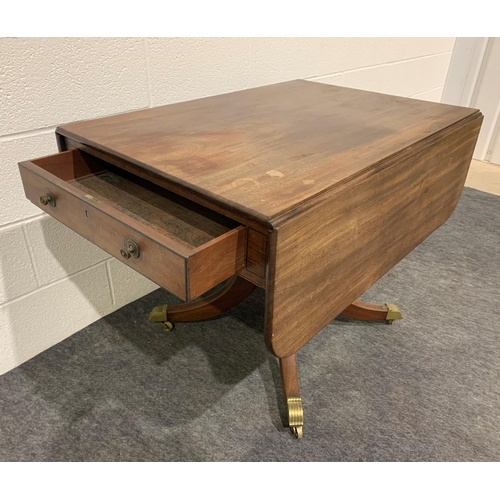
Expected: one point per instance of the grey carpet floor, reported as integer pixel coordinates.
(424, 389)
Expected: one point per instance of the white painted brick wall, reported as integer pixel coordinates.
(12, 150)
(38, 320)
(53, 282)
(48, 81)
(18, 277)
(58, 251)
(428, 73)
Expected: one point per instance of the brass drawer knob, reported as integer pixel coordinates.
(48, 199)
(131, 249)
(125, 253)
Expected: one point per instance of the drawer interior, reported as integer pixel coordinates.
(161, 210)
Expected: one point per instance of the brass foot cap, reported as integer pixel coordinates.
(158, 314)
(393, 313)
(295, 416)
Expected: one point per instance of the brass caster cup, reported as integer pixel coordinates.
(159, 315)
(393, 313)
(295, 416)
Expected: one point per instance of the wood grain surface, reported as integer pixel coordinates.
(213, 203)
(256, 252)
(325, 255)
(266, 150)
(334, 185)
(290, 377)
(365, 311)
(162, 211)
(235, 291)
(215, 261)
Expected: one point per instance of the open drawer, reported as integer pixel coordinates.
(183, 247)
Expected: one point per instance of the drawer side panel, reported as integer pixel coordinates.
(216, 262)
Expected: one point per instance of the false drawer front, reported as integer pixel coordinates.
(183, 247)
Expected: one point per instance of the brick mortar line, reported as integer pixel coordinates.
(17, 223)
(53, 283)
(110, 282)
(389, 63)
(31, 256)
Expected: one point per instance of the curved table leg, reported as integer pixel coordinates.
(235, 291)
(372, 312)
(291, 389)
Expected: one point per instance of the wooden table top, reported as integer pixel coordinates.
(268, 149)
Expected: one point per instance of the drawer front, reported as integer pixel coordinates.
(184, 271)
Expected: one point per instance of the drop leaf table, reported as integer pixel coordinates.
(310, 191)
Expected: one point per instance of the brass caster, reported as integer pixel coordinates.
(159, 315)
(295, 416)
(393, 313)
(167, 326)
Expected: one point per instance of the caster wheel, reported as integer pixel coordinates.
(167, 326)
(297, 431)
